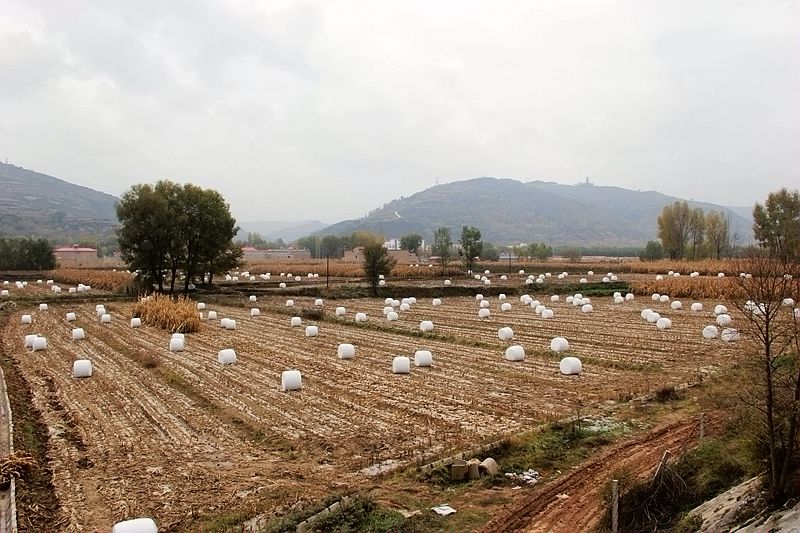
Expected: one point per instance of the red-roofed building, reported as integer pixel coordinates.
(76, 256)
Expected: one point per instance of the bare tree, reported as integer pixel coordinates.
(767, 296)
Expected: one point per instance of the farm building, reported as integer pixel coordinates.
(403, 257)
(282, 254)
(76, 256)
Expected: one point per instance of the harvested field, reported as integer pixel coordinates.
(176, 436)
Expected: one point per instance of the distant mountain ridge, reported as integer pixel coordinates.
(274, 230)
(510, 211)
(32, 203)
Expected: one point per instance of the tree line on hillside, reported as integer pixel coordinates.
(166, 229)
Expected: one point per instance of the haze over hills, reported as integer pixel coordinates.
(37, 204)
(274, 230)
(510, 211)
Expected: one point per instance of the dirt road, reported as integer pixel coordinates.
(573, 502)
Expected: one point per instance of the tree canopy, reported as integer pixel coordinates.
(167, 228)
(26, 254)
(674, 225)
(776, 224)
(471, 244)
(410, 242)
(377, 262)
(441, 245)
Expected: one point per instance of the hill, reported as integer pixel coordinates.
(37, 204)
(274, 230)
(510, 211)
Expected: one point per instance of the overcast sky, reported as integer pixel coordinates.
(300, 110)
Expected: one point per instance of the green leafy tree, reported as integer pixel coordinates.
(377, 261)
(410, 242)
(674, 225)
(26, 254)
(442, 243)
(718, 232)
(471, 244)
(776, 224)
(166, 228)
(653, 251)
(333, 246)
(363, 238)
(310, 243)
(540, 251)
(490, 252)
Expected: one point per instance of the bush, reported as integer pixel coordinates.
(179, 315)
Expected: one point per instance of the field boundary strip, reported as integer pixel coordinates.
(8, 511)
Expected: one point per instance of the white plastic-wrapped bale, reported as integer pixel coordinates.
(629, 296)
(281, 285)
(616, 294)
(586, 301)
(340, 311)
(387, 309)
(395, 303)
(503, 277)
(676, 305)
(505, 306)
(253, 298)
(423, 358)
(42, 307)
(663, 299)
(606, 280)
(483, 313)
(361, 317)
(539, 280)
(136, 322)
(721, 275)
(723, 320)
(521, 272)
(663, 323)
(382, 283)
(227, 356)
(29, 340)
(525, 299)
(212, 315)
(78, 334)
(548, 314)
(655, 296)
(710, 332)
(231, 325)
(412, 300)
(487, 272)
(587, 308)
(72, 290)
(505, 334)
(528, 282)
(619, 299)
(381, 276)
(515, 353)
(645, 312)
(447, 282)
(297, 278)
(583, 280)
(201, 306)
(26, 319)
(223, 323)
(570, 299)
(436, 302)
(502, 297)
(720, 310)
(49, 281)
(105, 319)
(570, 366)
(729, 335)
(5, 293)
(694, 275)
(405, 307)
(71, 317)
(401, 365)
(653, 317)
(555, 298)
(426, 326)
(101, 311)
(177, 344)
(484, 304)
(676, 275)
(291, 380)
(39, 343)
(479, 297)
(255, 311)
(559, 344)
(788, 302)
(289, 303)
(319, 302)
(346, 351)
(312, 331)
(392, 316)
(696, 306)
(296, 321)
(388, 301)
(82, 368)
(576, 302)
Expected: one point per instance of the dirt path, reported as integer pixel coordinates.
(548, 510)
